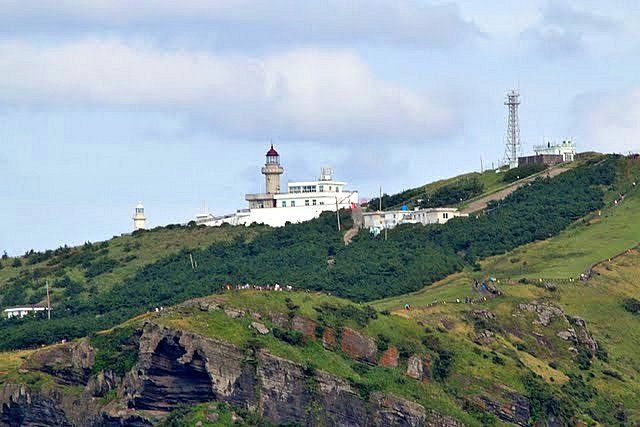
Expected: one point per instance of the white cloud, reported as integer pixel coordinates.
(310, 93)
(609, 123)
(411, 22)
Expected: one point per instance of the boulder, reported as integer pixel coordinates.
(328, 338)
(260, 328)
(305, 326)
(415, 367)
(358, 346)
(389, 357)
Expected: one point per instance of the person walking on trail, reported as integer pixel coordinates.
(407, 307)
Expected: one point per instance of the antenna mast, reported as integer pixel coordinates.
(48, 302)
(513, 130)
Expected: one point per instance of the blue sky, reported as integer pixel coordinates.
(107, 102)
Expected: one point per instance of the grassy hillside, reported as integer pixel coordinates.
(610, 381)
(97, 267)
(99, 285)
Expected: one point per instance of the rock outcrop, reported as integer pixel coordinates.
(390, 357)
(69, 363)
(358, 346)
(177, 368)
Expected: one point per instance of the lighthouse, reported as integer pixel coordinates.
(139, 220)
(272, 171)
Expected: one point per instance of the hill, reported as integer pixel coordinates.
(537, 352)
(309, 255)
(504, 333)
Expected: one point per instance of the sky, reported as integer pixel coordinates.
(104, 103)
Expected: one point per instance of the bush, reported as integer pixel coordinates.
(522, 172)
(289, 336)
(631, 305)
(443, 365)
(583, 358)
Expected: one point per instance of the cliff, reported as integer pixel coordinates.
(177, 368)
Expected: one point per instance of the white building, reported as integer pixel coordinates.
(567, 149)
(139, 220)
(379, 220)
(303, 201)
(21, 312)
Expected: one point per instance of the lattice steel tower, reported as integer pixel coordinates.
(513, 130)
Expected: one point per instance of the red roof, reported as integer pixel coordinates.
(272, 152)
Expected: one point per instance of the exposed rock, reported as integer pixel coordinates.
(234, 313)
(398, 412)
(582, 334)
(389, 357)
(177, 368)
(306, 326)
(328, 338)
(483, 314)
(21, 407)
(415, 367)
(212, 417)
(70, 363)
(260, 328)
(358, 346)
(256, 316)
(279, 319)
(203, 304)
(546, 312)
(102, 383)
(568, 335)
(508, 405)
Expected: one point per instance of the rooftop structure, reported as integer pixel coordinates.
(566, 149)
(304, 200)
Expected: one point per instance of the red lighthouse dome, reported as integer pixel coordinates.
(272, 152)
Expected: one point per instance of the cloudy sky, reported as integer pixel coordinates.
(107, 102)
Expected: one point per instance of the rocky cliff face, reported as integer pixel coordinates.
(175, 368)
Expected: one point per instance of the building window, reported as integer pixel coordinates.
(284, 203)
(293, 203)
(306, 203)
(329, 188)
(322, 203)
(445, 215)
(314, 202)
(321, 188)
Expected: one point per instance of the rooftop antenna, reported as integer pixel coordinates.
(48, 301)
(513, 129)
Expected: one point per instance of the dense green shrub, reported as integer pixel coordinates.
(522, 172)
(631, 305)
(442, 365)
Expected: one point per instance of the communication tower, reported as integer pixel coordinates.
(513, 130)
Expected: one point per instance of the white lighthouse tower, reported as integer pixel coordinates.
(139, 220)
(272, 171)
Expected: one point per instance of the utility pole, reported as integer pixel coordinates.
(48, 302)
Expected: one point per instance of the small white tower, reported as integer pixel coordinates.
(139, 220)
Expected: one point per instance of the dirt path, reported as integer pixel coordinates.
(482, 202)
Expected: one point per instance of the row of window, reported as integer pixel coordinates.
(312, 189)
(314, 202)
